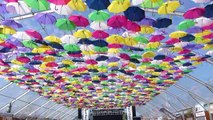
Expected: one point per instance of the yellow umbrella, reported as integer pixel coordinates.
(130, 41)
(7, 30)
(118, 6)
(204, 33)
(113, 50)
(115, 39)
(78, 5)
(1, 41)
(148, 54)
(41, 49)
(49, 59)
(168, 7)
(147, 29)
(67, 62)
(153, 45)
(90, 52)
(177, 34)
(53, 39)
(208, 47)
(83, 33)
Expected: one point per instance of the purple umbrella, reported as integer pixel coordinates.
(113, 59)
(11, 23)
(115, 30)
(194, 29)
(45, 18)
(159, 32)
(146, 22)
(15, 42)
(3, 9)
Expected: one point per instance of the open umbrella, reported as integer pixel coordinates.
(203, 21)
(61, 9)
(147, 29)
(117, 21)
(98, 4)
(21, 35)
(3, 9)
(45, 18)
(152, 3)
(98, 34)
(137, 2)
(29, 44)
(79, 20)
(209, 11)
(98, 25)
(65, 24)
(118, 6)
(78, 5)
(69, 39)
(59, 2)
(11, 23)
(98, 15)
(52, 39)
(134, 13)
(34, 34)
(83, 33)
(19, 7)
(194, 13)
(186, 24)
(146, 22)
(168, 7)
(132, 26)
(201, 1)
(38, 4)
(162, 23)
(7, 30)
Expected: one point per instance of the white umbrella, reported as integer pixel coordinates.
(137, 2)
(181, 44)
(201, 1)
(61, 9)
(156, 61)
(21, 35)
(203, 21)
(130, 34)
(209, 52)
(19, 7)
(69, 39)
(99, 25)
(87, 47)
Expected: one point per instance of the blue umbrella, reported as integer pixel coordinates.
(162, 23)
(187, 38)
(5, 50)
(135, 13)
(100, 43)
(209, 11)
(98, 4)
(85, 41)
(159, 57)
(101, 58)
(56, 45)
(35, 63)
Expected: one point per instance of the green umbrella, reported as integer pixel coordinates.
(101, 49)
(136, 56)
(65, 24)
(38, 4)
(71, 47)
(151, 4)
(141, 39)
(99, 16)
(29, 44)
(3, 36)
(186, 24)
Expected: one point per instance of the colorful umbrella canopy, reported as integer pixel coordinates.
(122, 56)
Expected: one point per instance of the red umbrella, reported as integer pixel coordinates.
(132, 26)
(79, 20)
(194, 13)
(210, 27)
(172, 41)
(23, 59)
(59, 2)
(117, 21)
(33, 71)
(8, 45)
(125, 56)
(185, 51)
(11, 1)
(51, 64)
(38, 57)
(210, 36)
(34, 34)
(156, 38)
(98, 34)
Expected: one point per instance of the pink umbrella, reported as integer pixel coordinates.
(98, 34)
(210, 27)
(79, 20)
(11, 1)
(210, 36)
(38, 57)
(33, 71)
(2, 63)
(50, 52)
(172, 41)
(34, 34)
(185, 51)
(117, 21)
(194, 13)
(132, 26)
(8, 45)
(124, 56)
(156, 38)
(114, 46)
(59, 2)
(91, 61)
(76, 55)
(23, 59)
